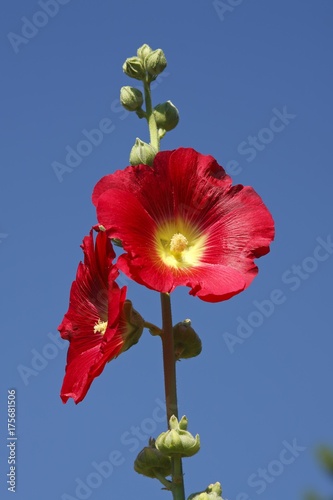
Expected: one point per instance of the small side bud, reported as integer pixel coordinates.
(155, 63)
(142, 153)
(178, 441)
(151, 461)
(186, 340)
(213, 492)
(133, 67)
(133, 325)
(131, 98)
(144, 51)
(166, 116)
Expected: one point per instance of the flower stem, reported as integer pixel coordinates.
(164, 481)
(171, 389)
(154, 137)
(153, 329)
(169, 361)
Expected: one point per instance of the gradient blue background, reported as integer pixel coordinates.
(226, 73)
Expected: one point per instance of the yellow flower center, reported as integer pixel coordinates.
(179, 244)
(100, 327)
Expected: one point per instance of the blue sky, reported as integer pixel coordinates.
(252, 81)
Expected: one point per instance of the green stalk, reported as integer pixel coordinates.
(154, 137)
(169, 358)
(169, 362)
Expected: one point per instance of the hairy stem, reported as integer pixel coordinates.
(154, 137)
(169, 362)
(171, 389)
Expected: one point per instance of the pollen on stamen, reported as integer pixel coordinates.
(100, 327)
(178, 243)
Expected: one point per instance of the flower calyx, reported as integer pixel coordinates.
(186, 341)
(151, 462)
(134, 324)
(142, 153)
(178, 441)
(212, 492)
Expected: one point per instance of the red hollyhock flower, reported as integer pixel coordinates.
(183, 223)
(100, 323)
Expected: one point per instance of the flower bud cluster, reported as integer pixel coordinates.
(147, 65)
(155, 460)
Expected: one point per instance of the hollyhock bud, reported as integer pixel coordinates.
(133, 67)
(213, 492)
(155, 63)
(186, 341)
(144, 51)
(151, 461)
(134, 325)
(178, 441)
(131, 98)
(166, 116)
(142, 153)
